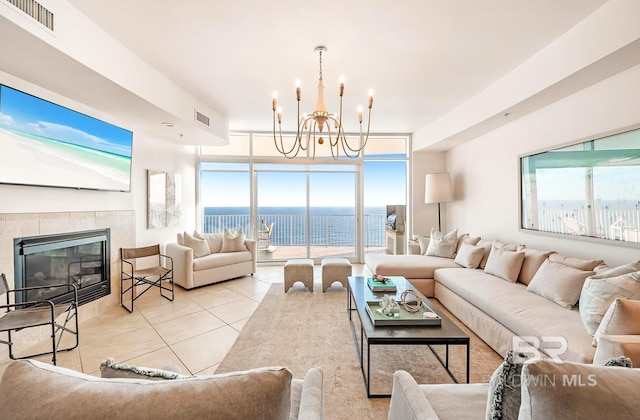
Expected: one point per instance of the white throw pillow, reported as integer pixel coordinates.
(424, 244)
(601, 290)
(199, 246)
(559, 283)
(469, 256)
(443, 245)
(504, 264)
(233, 241)
(213, 239)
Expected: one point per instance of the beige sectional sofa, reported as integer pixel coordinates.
(497, 310)
(199, 260)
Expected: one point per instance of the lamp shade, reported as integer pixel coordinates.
(437, 188)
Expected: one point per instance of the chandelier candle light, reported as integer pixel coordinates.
(311, 126)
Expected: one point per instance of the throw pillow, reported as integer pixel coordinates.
(619, 361)
(533, 259)
(469, 256)
(441, 245)
(580, 391)
(620, 319)
(466, 239)
(214, 240)
(252, 394)
(110, 369)
(233, 241)
(487, 250)
(559, 283)
(504, 264)
(199, 246)
(601, 290)
(424, 244)
(503, 400)
(580, 264)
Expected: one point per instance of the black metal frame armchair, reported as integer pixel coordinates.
(151, 277)
(36, 313)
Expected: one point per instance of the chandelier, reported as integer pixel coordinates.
(311, 127)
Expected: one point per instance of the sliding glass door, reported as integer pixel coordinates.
(312, 209)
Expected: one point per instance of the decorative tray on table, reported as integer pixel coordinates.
(404, 317)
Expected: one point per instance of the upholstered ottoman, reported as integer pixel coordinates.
(298, 270)
(335, 269)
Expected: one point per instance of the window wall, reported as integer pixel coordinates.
(320, 208)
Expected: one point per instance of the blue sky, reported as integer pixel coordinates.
(385, 183)
(31, 115)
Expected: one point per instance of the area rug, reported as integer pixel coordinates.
(301, 330)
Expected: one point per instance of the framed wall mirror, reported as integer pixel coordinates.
(589, 190)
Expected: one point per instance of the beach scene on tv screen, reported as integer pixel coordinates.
(49, 145)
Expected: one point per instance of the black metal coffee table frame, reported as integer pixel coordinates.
(447, 334)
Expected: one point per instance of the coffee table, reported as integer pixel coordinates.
(446, 334)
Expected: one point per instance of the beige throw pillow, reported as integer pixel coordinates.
(620, 319)
(533, 259)
(466, 239)
(233, 241)
(199, 246)
(424, 244)
(559, 283)
(504, 264)
(214, 240)
(580, 264)
(486, 245)
(601, 290)
(469, 256)
(443, 245)
(570, 391)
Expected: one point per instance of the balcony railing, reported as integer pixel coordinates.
(290, 229)
(606, 223)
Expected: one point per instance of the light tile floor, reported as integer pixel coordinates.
(194, 332)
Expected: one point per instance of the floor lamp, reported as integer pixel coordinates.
(437, 189)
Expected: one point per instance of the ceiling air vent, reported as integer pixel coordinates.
(37, 11)
(201, 118)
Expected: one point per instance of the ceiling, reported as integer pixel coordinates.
(423, 58)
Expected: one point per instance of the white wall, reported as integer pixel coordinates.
(485, 170)
(158, 155)
(425, 216)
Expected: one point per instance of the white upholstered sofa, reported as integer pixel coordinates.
(498, 310)
(200, 259)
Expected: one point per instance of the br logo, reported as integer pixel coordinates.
(545, 347)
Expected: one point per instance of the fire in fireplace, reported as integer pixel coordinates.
(80, 258)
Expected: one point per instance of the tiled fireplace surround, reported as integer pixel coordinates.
(15, 225)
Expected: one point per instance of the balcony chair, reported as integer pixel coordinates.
(39, 312)
(153, 276)
(264, 235)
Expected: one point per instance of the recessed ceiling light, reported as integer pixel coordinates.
(168, 124)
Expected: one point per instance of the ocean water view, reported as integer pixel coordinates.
(330, 226)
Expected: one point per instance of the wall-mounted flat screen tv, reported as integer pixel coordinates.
(45, 144)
